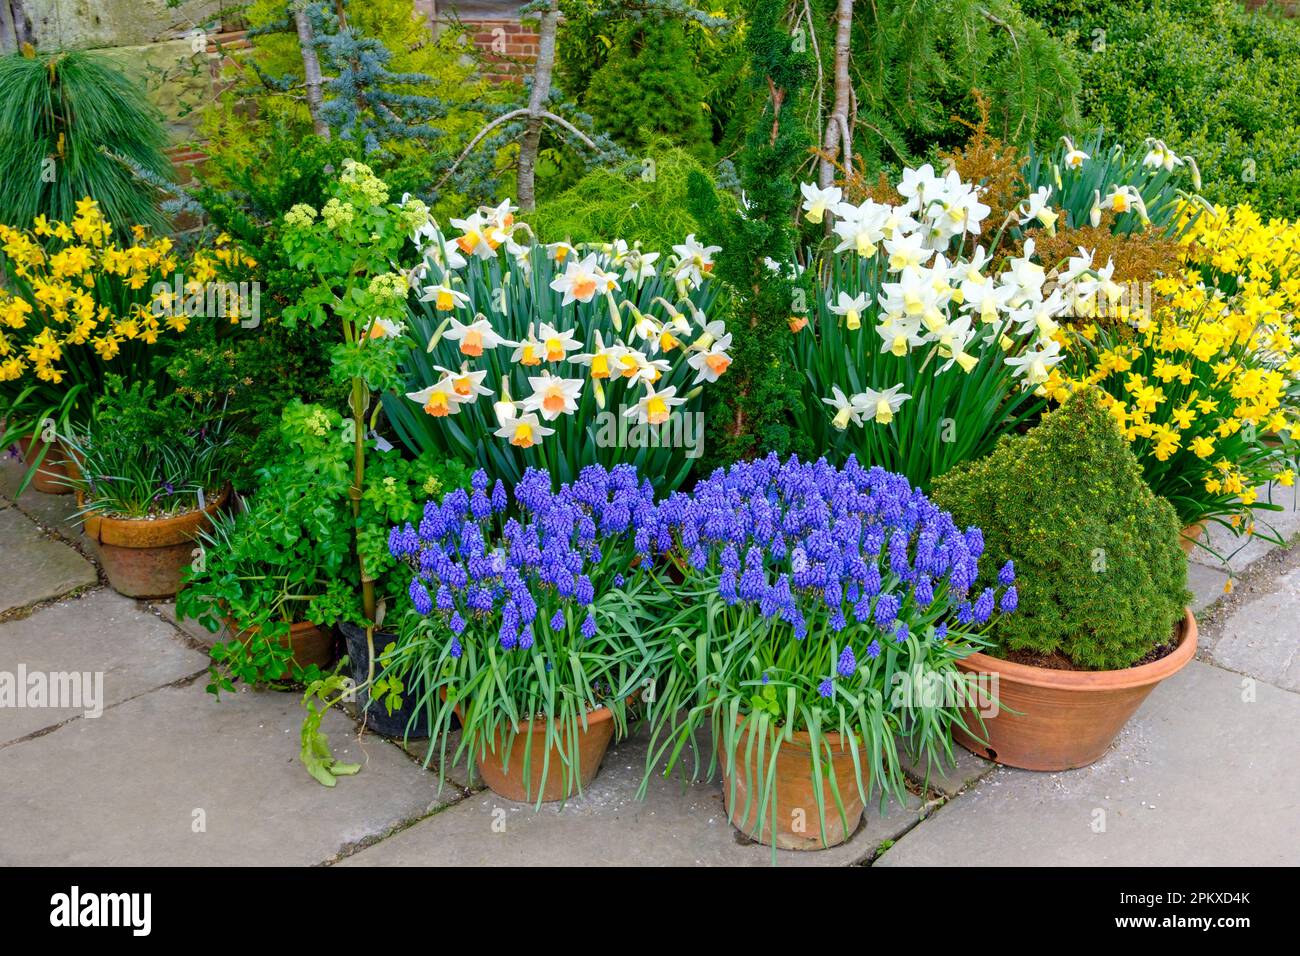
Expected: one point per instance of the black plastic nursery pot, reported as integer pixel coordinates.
(399, 723)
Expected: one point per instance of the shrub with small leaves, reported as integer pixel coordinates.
(1100, 576)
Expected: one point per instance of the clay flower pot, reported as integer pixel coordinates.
(144, 557)
(1059, 719)
(57, 471)
(506, 776)
(310, 643)
(1190, 535)
(792, 808)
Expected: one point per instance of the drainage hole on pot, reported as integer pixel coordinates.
(993, 754)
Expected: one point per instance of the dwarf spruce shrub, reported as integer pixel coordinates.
(1099, 571)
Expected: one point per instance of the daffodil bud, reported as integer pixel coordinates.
(437, 335)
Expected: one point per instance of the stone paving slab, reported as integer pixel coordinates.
(100, 633)
(56, 512)
(1261, 638)
(36, 567)
(607, 825)
(1206, 584)
(1199, 777)
(123, 790)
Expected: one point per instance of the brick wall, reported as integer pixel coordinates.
(508, 46)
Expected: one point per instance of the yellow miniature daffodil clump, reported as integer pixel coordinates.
(1204, 382)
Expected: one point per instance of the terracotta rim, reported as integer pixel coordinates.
(149, 532)
(597, 716)
(1139, 676)
(803, 740)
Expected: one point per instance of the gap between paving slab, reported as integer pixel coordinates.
(1199, 777)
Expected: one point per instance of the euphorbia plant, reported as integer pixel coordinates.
(821, 600)
(352, 247)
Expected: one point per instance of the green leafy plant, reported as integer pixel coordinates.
(1100, 574)
(147, 454)
(648, 87)
(72, 125)
(1216, 80)
(288, 556)
(315, 754)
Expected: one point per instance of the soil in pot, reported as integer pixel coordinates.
(503, 768)
(409, 720)
(310, 643)
(145, 557)
(791, 820)
(1057, 719)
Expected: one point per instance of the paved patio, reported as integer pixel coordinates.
(1207, 773)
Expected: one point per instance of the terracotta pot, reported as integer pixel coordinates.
(310, 643)
(144, 557)
(506, 777)
(792, 808)
(1057, 719)
(58, 468)
(1190, 535)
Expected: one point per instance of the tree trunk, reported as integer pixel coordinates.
(311, 68)
(838, 131)
(537, 106)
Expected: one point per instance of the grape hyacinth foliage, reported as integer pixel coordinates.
(531, 610)
(817, 599)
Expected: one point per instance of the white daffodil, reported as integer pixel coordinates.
(382, 328)
(907, 250)
(556, 345)
(1124, 199)
(816, 202)
(1074, 158)
(475, 337)
(986, 300)
(528, 351)
(636, 366)
(694, 261)
(654, 408)
(466, 384)
(523, 431)
(553, 396)
(443, 297)
(639, 266)
(582, 281)
(880, 406)
(603, 360)
(915, 297)
(1035, 208)
(438, 400)
(901, 336)
(918, 186)
(713, 362)
(850, 307)
(475, 238)
(1160, 155)
(860, 228)
(1035, 365)
(845, 410)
